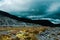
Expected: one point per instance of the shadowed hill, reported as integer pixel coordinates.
(41, 22)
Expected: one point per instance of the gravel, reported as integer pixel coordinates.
(50, 34)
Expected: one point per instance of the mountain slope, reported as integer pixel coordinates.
(40, 22)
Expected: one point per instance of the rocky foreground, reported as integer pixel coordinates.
(30, 33)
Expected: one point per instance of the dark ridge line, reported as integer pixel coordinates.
(40, 22)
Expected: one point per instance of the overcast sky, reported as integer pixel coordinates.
(40, 8)
(15, 6)
(20, 5)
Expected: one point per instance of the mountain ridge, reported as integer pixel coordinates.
(40, 22)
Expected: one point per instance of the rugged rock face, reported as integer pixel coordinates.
(8, 21)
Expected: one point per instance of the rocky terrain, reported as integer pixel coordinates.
(50, 34)
(6, 21)
(30, 33)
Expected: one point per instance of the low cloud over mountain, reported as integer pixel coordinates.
(33, 9)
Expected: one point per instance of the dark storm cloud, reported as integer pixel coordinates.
(33, 9)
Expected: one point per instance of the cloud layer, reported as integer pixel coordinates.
(33, 9)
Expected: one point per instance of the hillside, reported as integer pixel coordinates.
(6, 17)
